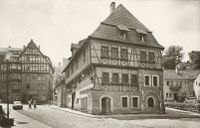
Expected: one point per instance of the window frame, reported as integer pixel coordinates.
(149, 80)
(122, 101)
(113, 80)
(126, 55)
(142, 37)
(167, 82)
(141, 58)
(102, 80)
(123, 35)
(137, 101)
(113, 52)
(136, 82)
(153, 80)
(153, 57)
(127, 82)
(103, 55)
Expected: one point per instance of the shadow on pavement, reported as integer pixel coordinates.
(19, 122)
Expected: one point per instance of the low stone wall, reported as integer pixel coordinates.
(195, 107)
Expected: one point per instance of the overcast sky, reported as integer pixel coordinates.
(55, 24)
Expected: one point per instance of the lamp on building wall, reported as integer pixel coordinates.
(7, 59)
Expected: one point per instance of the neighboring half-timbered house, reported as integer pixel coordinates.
(30, 74)
(117, 69)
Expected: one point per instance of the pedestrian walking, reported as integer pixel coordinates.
(34, 103)
(29, 104)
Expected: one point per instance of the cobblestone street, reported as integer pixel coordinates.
(61, 119)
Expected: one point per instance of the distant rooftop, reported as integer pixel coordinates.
(181, 74)
(10, 49)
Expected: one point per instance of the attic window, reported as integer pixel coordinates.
(142, 37)
(123, 35)
(142, 34)
(123, 31)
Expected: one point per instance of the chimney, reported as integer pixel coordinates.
(112, 7)
(73, 48)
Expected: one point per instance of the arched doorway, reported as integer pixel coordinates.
(106, 105)
(150, 102)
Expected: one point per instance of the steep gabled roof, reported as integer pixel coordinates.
(31, 45)
(122, 20)
(121, 16)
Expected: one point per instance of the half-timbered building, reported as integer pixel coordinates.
(117, 69)
(29, 74)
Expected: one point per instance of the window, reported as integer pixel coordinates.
(147, 80)
(114, 52)
(84, 57)
(134, 80)
(28, 86)
(124, 102)
(104, 51)
(155, 80)
(135, 101)
(123, 34)
(143, 56)
(105, 77)
(125, 78)
(170, 95)
(142, 37)
(150, 102)
(124, 54)
(166, 95)
(168, 83)
(151, 57)
(115, 77)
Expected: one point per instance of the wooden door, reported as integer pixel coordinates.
(106, 105)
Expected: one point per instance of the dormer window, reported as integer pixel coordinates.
(123, 31)
(142, 34)
(123, 35)
(142, 37)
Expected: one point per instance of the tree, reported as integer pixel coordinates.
(195, 59)
(172, 56)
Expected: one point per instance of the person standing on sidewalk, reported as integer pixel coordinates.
(29, 104)
(34, 103)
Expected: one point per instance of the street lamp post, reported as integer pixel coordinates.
(7, 58)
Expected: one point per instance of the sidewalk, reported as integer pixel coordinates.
(23, 121)
(76, 112)
(173, 113)
(119, 116)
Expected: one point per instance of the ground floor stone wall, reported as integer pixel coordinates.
(117, 105)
